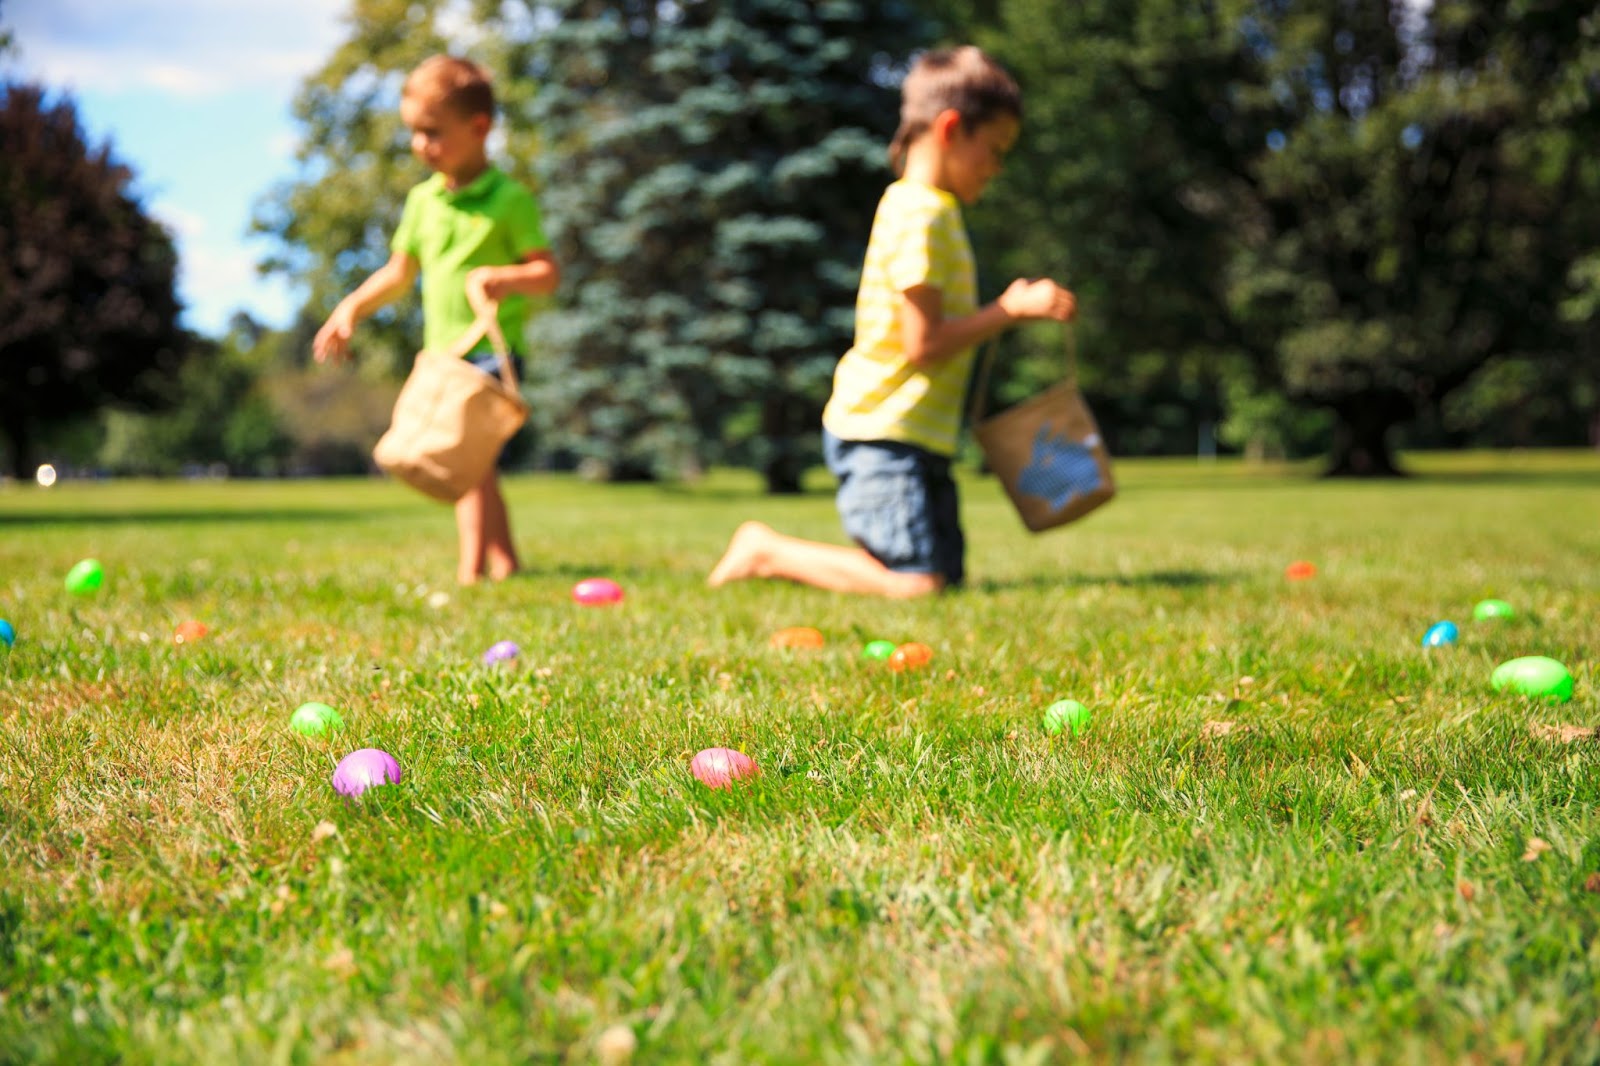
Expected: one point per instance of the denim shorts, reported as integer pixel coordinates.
(898, 501)
(489, 363)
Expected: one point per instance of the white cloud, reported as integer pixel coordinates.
(188, 47)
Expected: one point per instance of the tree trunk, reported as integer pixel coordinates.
(1361, 437)
(780, 418)
(15, 431)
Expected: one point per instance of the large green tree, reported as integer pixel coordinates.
(710, 170)
(88, 306)
(1358, 205)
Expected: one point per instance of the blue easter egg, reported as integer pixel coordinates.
(8, 635)
(1440, 635)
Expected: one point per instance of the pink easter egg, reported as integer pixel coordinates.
(597, 592)
(364, 769)
(721, 767)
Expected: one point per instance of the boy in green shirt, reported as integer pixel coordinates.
(476, 237)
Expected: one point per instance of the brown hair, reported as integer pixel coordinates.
(964, 80)
(459, 84)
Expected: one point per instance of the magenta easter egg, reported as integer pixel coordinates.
(364, 769)
(597, 592)
(721, 767)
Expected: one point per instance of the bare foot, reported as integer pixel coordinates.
(464, 577)
(743, 557)
(499, 571)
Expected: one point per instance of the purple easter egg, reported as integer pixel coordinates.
(501, 652)
(597, 592)
(364, 769)
(721, 767)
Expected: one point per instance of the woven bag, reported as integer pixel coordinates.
(1046, 450)
(451, 419)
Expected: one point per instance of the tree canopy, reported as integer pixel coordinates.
(88, 306)
(1357, 206)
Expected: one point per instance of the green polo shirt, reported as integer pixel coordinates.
(493, 221)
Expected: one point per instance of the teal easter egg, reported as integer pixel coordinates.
(1534, 675)
(878, 649)
(1489, 610)
(86, 577)
(315, 720)
(1440, 635)
(8, 635)
(1065, 714)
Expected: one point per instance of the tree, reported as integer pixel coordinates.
(1358, 205)
(88, 307)
(710, 169)
(223, 416)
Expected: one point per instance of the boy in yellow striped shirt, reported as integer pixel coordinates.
(890, 427)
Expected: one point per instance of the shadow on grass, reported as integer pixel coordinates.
(1177, 579)
(174, 516)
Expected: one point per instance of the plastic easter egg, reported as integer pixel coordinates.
(364, 769)
(86, 577)
(503, 651)
(878, 650)
(8, 635)
(597, 592)
(1534, 675)
(912, 656)
(1489, 610)
(798, 637)
(1066, 714)
(1440, 635)
(315, 720)
(189, 631)
(1300, 570)
(721, 767)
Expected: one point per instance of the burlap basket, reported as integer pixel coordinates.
(1046, 450)
(451, 419)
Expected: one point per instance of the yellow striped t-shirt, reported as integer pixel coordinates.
(917, 239)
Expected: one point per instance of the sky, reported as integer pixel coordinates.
(194, 96)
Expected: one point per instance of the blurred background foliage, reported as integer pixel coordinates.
(1295, 228)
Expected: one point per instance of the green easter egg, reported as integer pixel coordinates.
(86, 577)
(878, 649)
(1066, 714)
(1487, 610)
(1534, 675)
(315, 720)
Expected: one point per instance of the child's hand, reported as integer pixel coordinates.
(333, 339)
(1038, 299)
(485, 289)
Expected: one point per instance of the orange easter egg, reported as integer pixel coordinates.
(912, 656)
(798, 637)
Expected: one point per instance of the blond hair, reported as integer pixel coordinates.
(964, 80)
(459, 84)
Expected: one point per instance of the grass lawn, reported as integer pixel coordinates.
(1290, 833)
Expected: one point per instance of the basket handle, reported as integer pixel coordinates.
(487, 322)
(980, 387)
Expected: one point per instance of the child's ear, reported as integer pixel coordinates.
(482, 124)
(945, 124)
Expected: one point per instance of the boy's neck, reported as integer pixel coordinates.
(925, 166)
(466, 175)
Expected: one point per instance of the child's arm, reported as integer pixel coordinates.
(929, 338)
(536, 275)
(387, 283)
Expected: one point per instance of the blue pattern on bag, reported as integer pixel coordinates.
(1059, 470)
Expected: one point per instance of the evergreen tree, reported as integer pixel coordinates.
(710, 171)
(88, 305)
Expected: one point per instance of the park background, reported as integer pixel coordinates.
(1295, 229)
(1321, 236)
